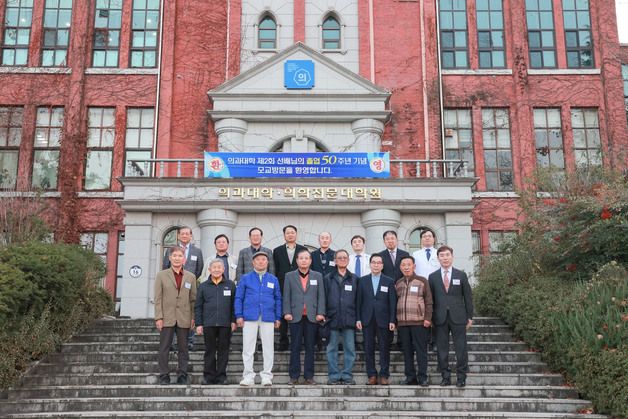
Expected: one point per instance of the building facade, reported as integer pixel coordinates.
(106, 106)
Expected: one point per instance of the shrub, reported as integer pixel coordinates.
(563, 284)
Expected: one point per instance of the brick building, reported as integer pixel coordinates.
(91, 90)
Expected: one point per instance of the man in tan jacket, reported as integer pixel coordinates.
(414, 317)
(175, 293)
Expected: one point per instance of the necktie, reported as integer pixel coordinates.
(427, 252)
(446, 280)
(393, 257)
(358, 266)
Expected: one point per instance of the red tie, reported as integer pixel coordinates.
(446, 281)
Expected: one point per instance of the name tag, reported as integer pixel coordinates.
(332, 263)
(455, 282)
(193, 257)
(414, 289)
(383, 288)
(187, 285)
(348, 287)
(227, 293)
(270, 285)
(313, 282)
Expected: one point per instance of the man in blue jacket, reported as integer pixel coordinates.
(341, 290)
(215, 320)
(377, 305)
(258, 307)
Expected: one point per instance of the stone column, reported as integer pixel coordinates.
(230, 133)
(215, 221)
(138, 270)
(458, 237)
(375, 222)
(368, 135)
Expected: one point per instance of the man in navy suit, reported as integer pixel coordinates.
(392, 255)
(285, 260)
(453, 313)
(376, 308)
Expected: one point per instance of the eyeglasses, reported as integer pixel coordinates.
(341, 257)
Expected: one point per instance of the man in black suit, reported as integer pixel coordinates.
(376, 309)
(453, 312)
(285, 260)
(392, 255)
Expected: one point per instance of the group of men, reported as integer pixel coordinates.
(314, 295)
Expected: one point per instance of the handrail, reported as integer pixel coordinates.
(432, 168)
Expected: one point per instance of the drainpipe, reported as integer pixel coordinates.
(440, 80)
(161, 48)
(426, 115)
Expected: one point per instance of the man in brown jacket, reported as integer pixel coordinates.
(414, 318)
(175, 292)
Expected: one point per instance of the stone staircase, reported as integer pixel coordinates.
(109, 371)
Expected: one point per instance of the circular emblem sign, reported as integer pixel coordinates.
(216, 165)
(135, 271)
(378, 165)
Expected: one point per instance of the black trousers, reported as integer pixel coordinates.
(414, 340)
(183, 357)
(459, 335)
(302, 332)
(384, 337)
(217, 340)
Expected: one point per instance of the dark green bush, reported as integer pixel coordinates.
(48, 292)
(563, 285)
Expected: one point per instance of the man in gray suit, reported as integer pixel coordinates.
(245, 258)
(453, 313)
(303, 308)
(193, 255)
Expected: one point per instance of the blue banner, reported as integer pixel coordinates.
(297, 165)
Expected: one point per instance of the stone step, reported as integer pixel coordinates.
(236, 356)
(107, 379)
(284, 390)
(236, 367)
(305, 403)
(237, 339)
(356, 414)
(154, 346)
(114, 328)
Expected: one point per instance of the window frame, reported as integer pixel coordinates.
(267, 17)
(145, 30)
(56, 47)
(26, 7)
(494, 129)
(548, 132)
(54, 149)
(460, 151)
(139, 149)
(542, 49)
(100, 148)
(106, 31)
(491, 50)
(455, 49)
(9, 147)
(578, 49)
(338, 39)
(91, 246)
(586, 132)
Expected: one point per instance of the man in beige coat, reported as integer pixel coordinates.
(175, 293)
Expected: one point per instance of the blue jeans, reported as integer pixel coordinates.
(348, 343)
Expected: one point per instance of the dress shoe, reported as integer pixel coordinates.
(182, 379)
(164, 380)
(383, 381)
(349, 382)
(293, 381)
(412, 382)
(424, 383)
(445, 382)
(333, 382)
(460, 383)
(372, 381)
(309, 382)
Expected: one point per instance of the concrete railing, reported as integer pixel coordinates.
(193, 168)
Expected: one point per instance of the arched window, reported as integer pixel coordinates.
(169, 240)
(267, 33)
(305, 145)
(414, 241)
(331, 33)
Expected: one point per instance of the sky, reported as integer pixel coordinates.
(622, 20)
